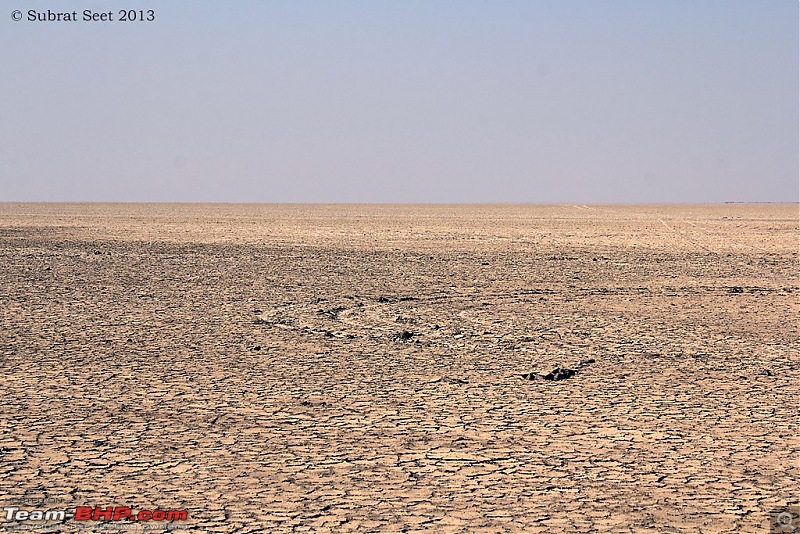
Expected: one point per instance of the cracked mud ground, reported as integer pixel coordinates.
(359, 368)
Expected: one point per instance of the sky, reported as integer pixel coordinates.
(435, 101)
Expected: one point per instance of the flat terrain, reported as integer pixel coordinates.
(359, 368)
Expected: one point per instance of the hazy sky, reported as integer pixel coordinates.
(403, 101)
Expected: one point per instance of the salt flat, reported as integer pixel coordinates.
(345, 368)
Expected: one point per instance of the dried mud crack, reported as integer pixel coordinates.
(357, 368)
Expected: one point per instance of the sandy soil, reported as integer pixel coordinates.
(359, 368)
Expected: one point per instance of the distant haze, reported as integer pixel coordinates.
(404, 101)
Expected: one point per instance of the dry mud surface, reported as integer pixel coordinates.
(359, 368)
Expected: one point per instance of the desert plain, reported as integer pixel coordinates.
(383, 368)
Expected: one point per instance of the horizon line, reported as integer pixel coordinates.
(488, 203)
